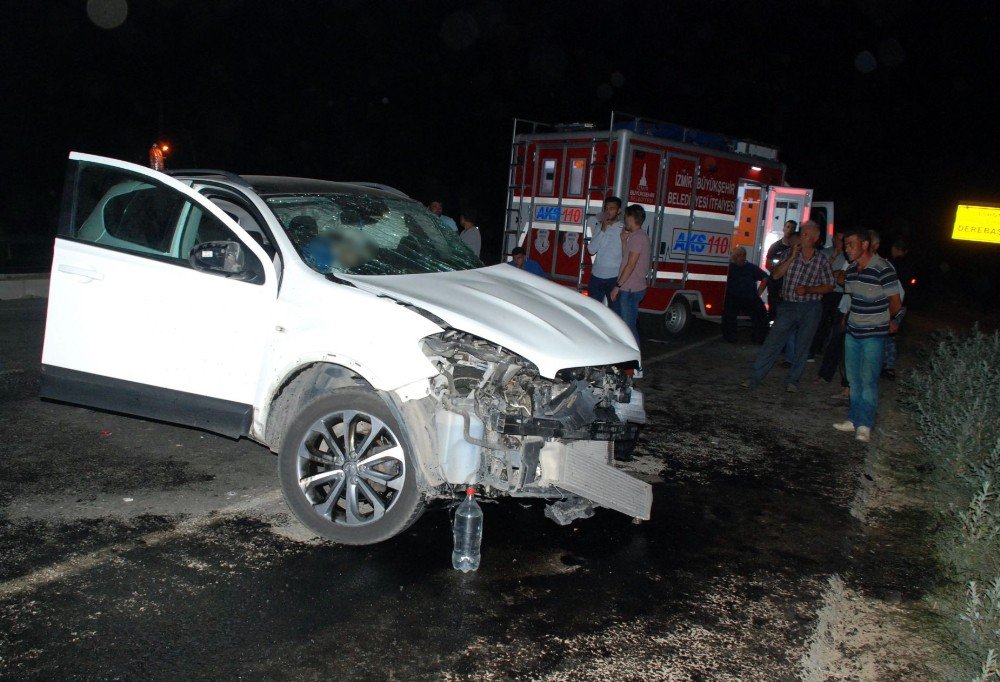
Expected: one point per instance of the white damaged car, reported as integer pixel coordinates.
(344, 327)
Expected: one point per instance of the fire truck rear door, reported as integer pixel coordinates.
(748, 222)
(783, 204)
(822, 213)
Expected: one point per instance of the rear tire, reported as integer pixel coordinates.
(677, 319)
(346, 471)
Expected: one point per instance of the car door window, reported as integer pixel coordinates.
(201, 227)
(118, 209)
(245, 219)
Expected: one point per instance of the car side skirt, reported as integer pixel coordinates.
(117, 395)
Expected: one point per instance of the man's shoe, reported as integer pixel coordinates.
(745, 384)
(791, 388)
(786, 364)
(847, 426)
(864, 434)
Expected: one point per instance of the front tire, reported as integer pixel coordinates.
(346, 471)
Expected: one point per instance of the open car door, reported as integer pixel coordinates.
(159, 302)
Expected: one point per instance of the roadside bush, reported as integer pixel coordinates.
(955, 399)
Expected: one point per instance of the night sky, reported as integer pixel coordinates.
(886, 107)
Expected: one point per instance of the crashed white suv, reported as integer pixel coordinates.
(347, 329)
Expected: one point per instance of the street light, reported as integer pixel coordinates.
(157, 153)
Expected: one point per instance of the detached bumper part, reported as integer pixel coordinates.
(565, 512)
(581, 468)
(633, 411)
(609, 428)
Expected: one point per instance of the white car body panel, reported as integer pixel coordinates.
(320, 321)
(550, 325)
(155, 323)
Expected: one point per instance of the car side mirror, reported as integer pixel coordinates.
(221, 258)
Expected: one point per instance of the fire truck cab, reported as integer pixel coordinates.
(704, 194)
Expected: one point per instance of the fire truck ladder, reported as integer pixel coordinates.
(603, 189)
(650, 126)
(514, 227)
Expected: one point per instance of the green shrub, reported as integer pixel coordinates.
(955, 399)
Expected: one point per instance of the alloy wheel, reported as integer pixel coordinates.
(351, 467)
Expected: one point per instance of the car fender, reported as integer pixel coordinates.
(386, 356)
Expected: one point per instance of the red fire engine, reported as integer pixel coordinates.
(704, 193)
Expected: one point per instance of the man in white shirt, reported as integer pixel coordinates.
(605, 249)
(470, 232)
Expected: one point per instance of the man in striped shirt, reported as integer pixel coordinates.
(874, 290)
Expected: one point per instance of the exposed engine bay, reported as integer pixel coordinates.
(498, 417)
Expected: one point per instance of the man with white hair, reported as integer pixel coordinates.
(805, 276)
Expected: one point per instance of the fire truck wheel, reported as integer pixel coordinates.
(677, 319)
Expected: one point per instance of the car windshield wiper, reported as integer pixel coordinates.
(333, 277)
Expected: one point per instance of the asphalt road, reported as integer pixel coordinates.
(130, 548)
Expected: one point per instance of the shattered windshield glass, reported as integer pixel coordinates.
(368, 235)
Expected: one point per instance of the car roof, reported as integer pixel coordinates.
(274, 184)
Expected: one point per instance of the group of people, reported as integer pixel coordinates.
(467, 227)
(620, 251)
(845, 301)
(619, 248)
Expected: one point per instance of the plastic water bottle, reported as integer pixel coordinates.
(468, 530)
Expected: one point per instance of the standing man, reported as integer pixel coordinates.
(470, 231)
(605, 248)
(835, 254)
(806, 277)
(776, 253)
(876, 308)
(630, 287)
(833, 354)
(900, 263)
(743, 297)
(437, 209)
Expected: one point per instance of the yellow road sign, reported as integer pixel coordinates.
(977, 223)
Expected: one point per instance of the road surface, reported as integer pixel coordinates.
(133, 548)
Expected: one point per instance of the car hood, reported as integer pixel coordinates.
(550, 325)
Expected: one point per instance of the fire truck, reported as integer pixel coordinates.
(704, 194)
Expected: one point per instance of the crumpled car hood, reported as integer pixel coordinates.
(550, 325)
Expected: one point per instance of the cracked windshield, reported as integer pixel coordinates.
(365, 235)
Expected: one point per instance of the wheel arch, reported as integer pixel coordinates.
(309, 381)
(300, 387)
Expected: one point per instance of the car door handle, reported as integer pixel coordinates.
(87, 273)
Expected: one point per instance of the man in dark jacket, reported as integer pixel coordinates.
(743, 298)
